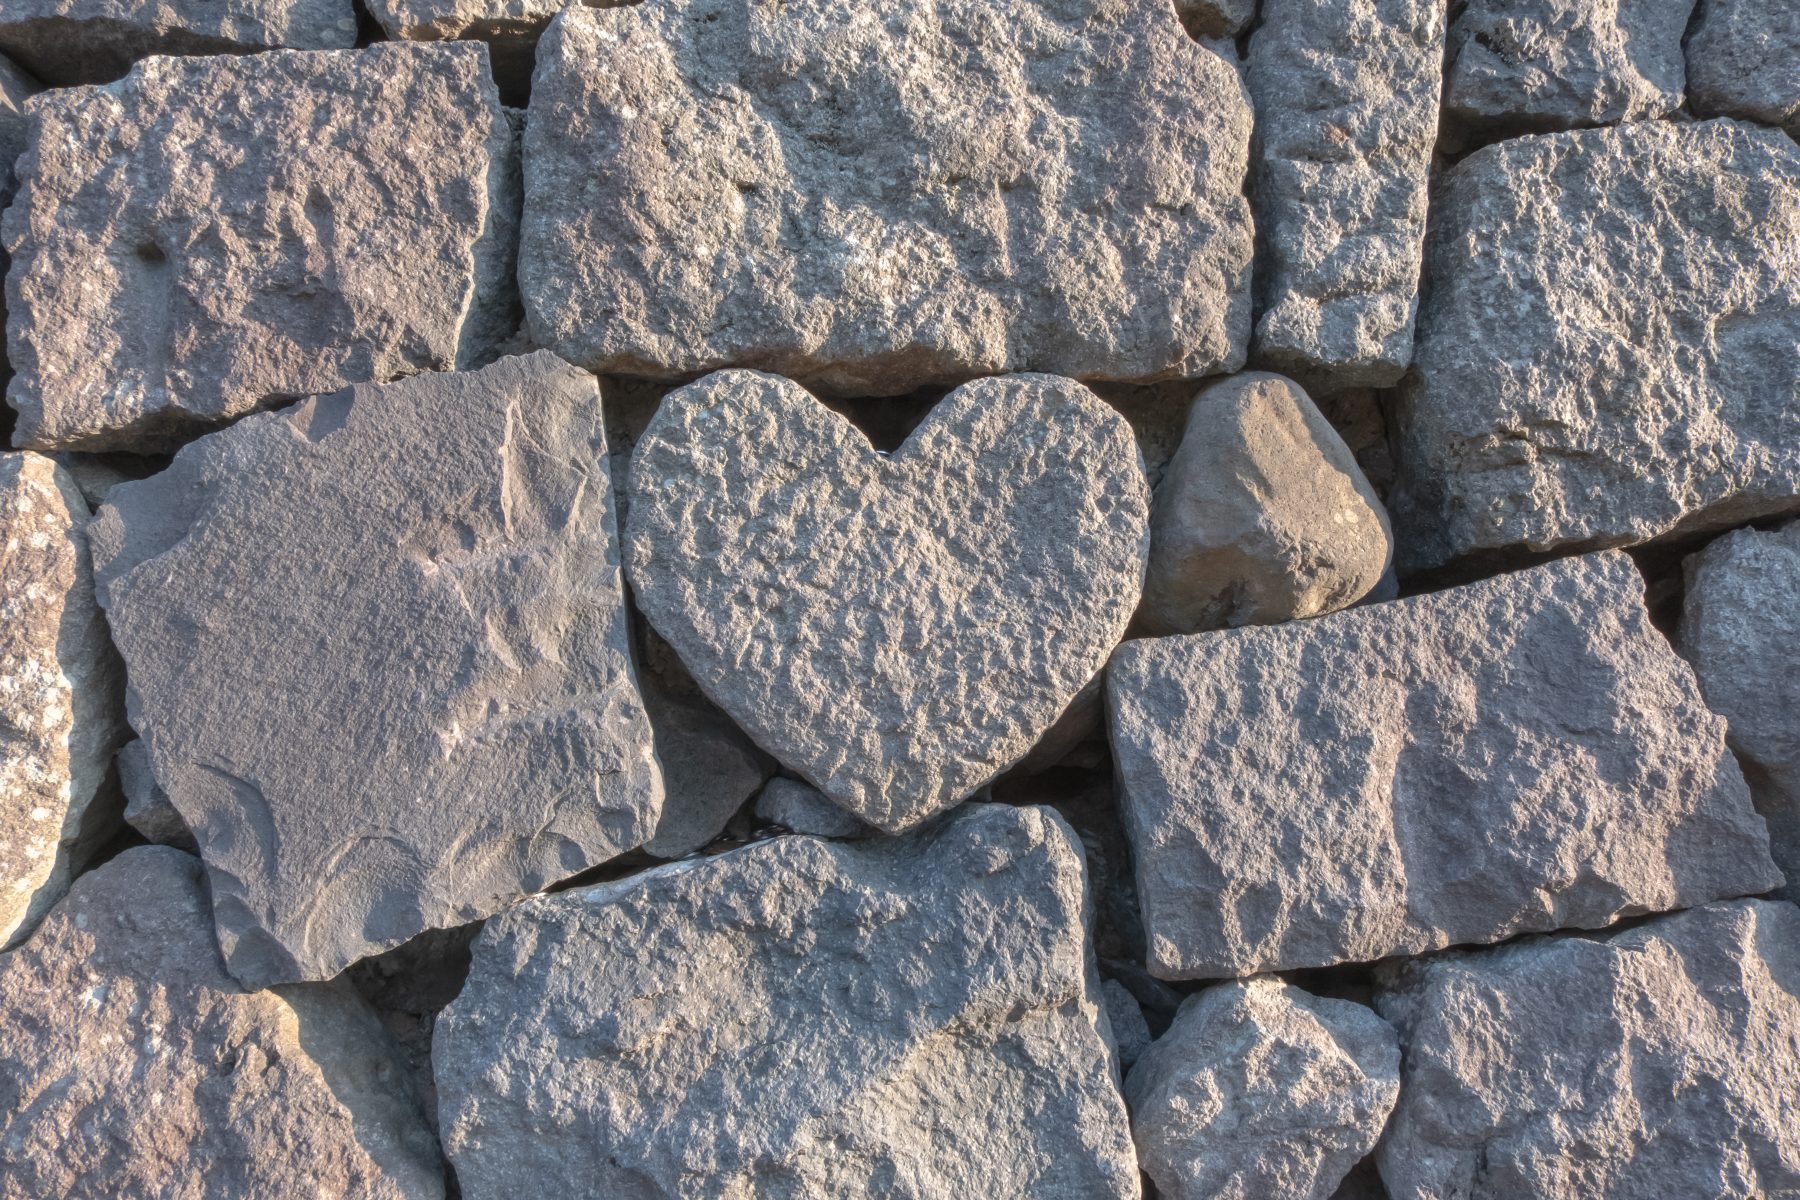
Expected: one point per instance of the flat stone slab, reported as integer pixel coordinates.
(915, 1017)
(868, 200)
(1650, 373)
(1741, 61)
(895, 629)
(442, 714)
(1653, 1063)
(213, 235)
(1525, 753)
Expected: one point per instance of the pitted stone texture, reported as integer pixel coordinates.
(1650, 379)
(132, 1065)
(1263, 515)
(212, 235)
(1740, 627)
(897, 630)
(442, 714)
(1346, 95)
(1743, 60)
(60, 693)
(870, 199)
(148, 808)
(907, 1018)
(804, 809)
(1521, 754)
(1661, 1061)
(1536, 65)
(1258, 1090)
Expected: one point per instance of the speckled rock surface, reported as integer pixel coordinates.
(1661, 1061)
(1346, 95)
(443, 715)
(148, 808)
(1215, 18)
(1520, 754)
(1743, 60)
(1130, 1032)
(132, 1065)
(1259, 1090)
(871, 199)
(785, 1020)
(216, 234)
(1651, 377)
(897, 630)
(803, 808)
(60, 692)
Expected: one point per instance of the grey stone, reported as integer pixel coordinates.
(896, 630)
(1260, 1090)
(60, 693)
(1743, 60)
(1538, 65)
(710, 768)
(1215, 18)
(871, 199)
(212, 235)
(1521, 754)
(442, 714)
(1740, 627)
(1650, 371)
(803, 808)
(1654, 1063)
(909, 1018)
(1346, 95)
(131, 1065)
(1262, 516)
(148, 808)
(1130, 1032)
(16, 87)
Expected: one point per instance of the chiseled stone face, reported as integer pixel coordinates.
(377, 650)
(1741, 61)
(872, 198)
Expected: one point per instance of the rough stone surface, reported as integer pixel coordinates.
(215, 234)
(1346, 95)
(1740, 627)
(16, 87)
(1743, 60)
(710, 771)
(804, 809)
(1262, 516)
(869, 199)
(1130, 1032)
(908, 1018)
(1259, 1090)
(895, 629)
(1215, 18)
(1650, 377)
(60, 712)
(132, 1065)
(1537, 65)
(443, 714)
(148, 808)
(1521, 754)
(1662, 1061)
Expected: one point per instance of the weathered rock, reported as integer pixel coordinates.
(906, 1018)
(1346, 95)
(16, 87)
(442, 714)
(1651, 370)
(869, 199)
(60, 710)
(710, 770)
(1262, 516)
(132, 1065)
(215, 234)
(1260, 1090)
(804, 809)
(1521, 754)
(1740, 627)
(1130, 1032)
(1661, 1061)
(897, 630)
(1215, 18)
(148, 808)
(1743, 60)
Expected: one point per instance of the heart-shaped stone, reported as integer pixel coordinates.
(896, 629)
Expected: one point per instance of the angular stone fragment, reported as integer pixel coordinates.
(509, 27)
(1259, 1090)
(60, 699)
(1740, 627)
(908, 1018)
(897, 630)
(1263, 515)
(16, 87)
(1650, 374)
(1743, 60)
(1346, 95)
(870, 199)
(132, 1065)
(1130, 1032)
(1215, 18)
(1658, 1062)
(442, 714)
(804, 809)
(148, 808)
(215, 234)
(1525, 753)
(710, 771)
